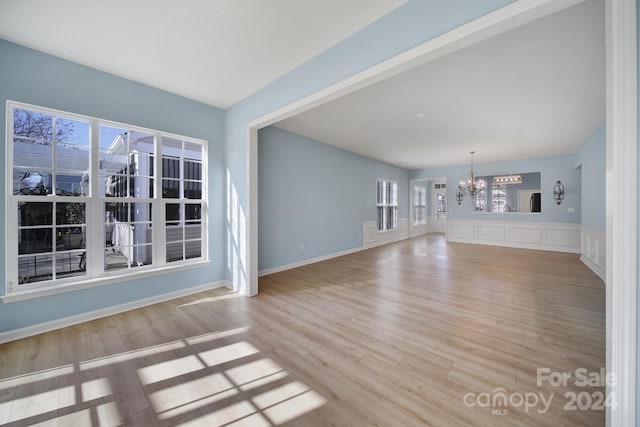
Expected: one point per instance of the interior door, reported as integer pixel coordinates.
(439, 204)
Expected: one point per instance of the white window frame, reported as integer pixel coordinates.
(388, 203)
(96, 275)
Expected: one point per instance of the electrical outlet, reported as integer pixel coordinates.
(301, 248)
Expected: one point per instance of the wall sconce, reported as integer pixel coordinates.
(558, 192)
(459, 196)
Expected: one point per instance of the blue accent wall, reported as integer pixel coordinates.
(314, 197)
(551, 169)
(409, 25)
(37, 78)
(591, 159)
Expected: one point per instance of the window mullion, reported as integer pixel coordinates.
(95, 211)
(159, 246)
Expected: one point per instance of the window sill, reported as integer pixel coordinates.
(93, 283)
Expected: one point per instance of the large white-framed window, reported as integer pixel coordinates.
(419, 204)
(387, 204)
(92, 199)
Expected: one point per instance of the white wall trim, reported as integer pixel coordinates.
(309, 261)
(622, 209)
(593, 253)
(558, 237)
(104, 312)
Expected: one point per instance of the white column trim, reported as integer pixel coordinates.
(622, 212)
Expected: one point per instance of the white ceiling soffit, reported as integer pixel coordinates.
(214, 51)
(537, 90)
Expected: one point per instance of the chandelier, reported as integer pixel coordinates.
(472, 187)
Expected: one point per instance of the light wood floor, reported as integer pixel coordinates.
(411, 333)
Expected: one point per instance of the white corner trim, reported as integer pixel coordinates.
(622, 210)
(104, 312)
(308, 261)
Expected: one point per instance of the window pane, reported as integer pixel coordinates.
(72, 184)
(192, 211)
(193, 231)
(193, 249)
(172, 213)
(192, 190)
(174, 233)
(192, 151)
(116, 185)
(34, 183)
(171, 147)
(141, 187)
(72, 157)
(141, 212)
(192, 170)
(170, 167)
(115, 139)
(35, 213)
(35, 268)
(73, 131)
(141, 233)
(33, 154)
(174, 252)
(68, 238)
(116, 211)
(112, 162)
(141, 164)
(32, 124)
(35, 240)
(170, 189)
(142, 255)
(115, 259)
(70, 264)
(141, 142)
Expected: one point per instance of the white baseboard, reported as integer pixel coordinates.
(558, 237)
(372, 238)
(593, 251)
(307, 261)
(104, 312)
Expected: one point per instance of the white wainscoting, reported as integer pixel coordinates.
(416, 230)
(529, 235)
(593, 252)
(372, 237)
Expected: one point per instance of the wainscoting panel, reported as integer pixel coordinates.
(530, 235)
(490, 232)
(526, 235)
(593, 250)
(373, 237)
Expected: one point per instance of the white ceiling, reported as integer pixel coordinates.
(214, 51)
(537, 90)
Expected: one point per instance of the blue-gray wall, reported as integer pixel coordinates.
(40, 79)
(411, 24)
(591, 159)
(551, 169)
(313, 197)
